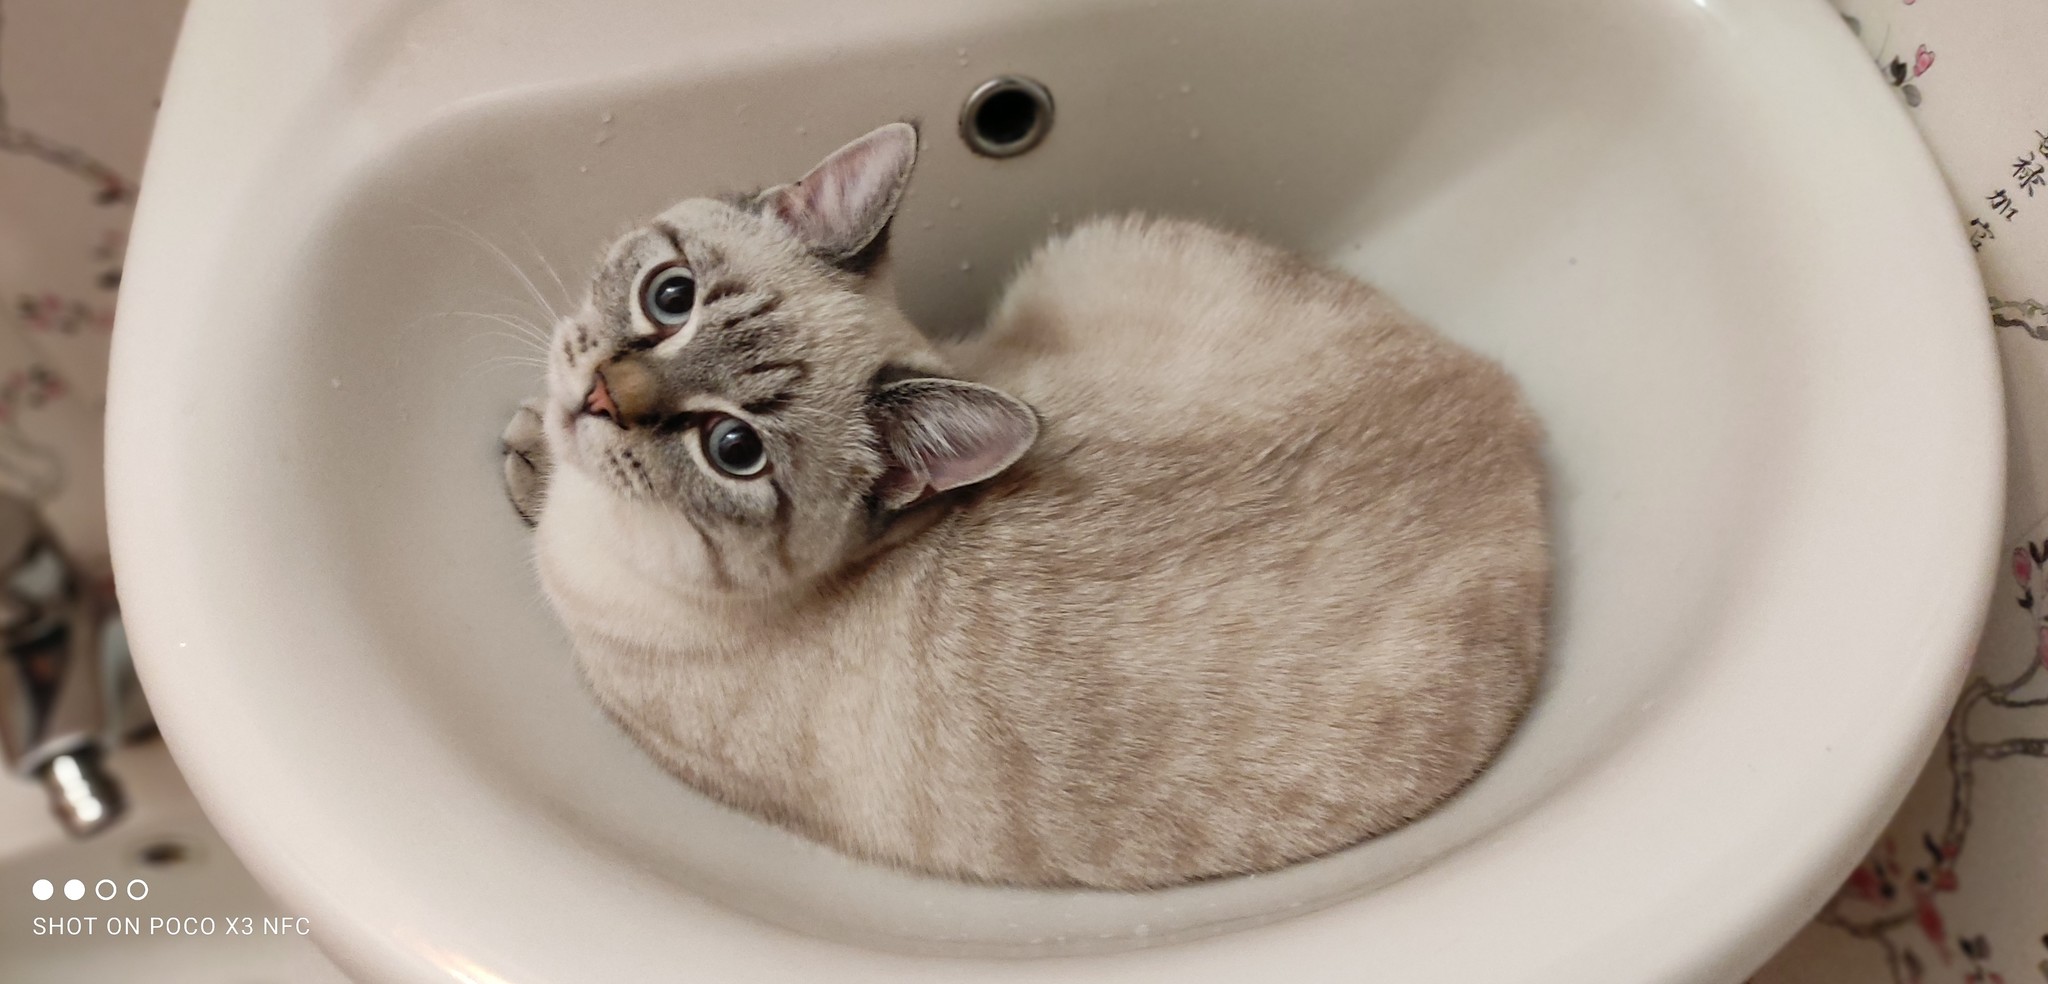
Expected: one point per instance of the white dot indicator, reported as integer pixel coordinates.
(74, 890)
(44, 889)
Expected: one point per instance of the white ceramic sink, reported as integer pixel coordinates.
(1700, 232)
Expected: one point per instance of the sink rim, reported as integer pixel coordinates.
(144, 561)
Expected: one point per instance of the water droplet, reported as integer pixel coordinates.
(800, 131)
(603, 138)
(335, 382)
(926, 224)
(606, 118)
(582, 169)
(963, 63)
(966, 265)
(955, 203)
(1186, 88)
(1055, 220)
(1279, 182)
(1194, 182)
(962, 52)
(1195, 133)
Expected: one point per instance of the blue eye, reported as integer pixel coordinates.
(733, 447)
(668, 296)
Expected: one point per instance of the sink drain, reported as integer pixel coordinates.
(1006, 116)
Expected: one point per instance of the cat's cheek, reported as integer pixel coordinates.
(580, 440)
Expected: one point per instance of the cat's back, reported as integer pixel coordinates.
(1135, 311)
(1276, 539)
(1179, 365)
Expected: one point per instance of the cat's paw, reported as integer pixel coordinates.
(525, 452)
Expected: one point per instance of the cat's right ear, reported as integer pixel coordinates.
(943, 434)
(844, 205)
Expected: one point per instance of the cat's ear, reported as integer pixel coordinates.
(844, 205)
(941, 434)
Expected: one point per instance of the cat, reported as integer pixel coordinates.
(1199, 560)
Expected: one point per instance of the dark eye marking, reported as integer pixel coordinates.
(801, 368)
(720, 290)
(763, 304)
(752, 338)
(707, 257)
(677, 423)
(771, 405)
(670, 233)
(782, 507)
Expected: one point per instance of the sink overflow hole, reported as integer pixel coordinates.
(1006, 116)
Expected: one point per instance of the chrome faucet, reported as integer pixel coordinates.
(54, 636)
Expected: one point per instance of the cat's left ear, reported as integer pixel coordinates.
(943, 434)
(844, 205)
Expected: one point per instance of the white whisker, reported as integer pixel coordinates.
(528, 333)
(495, 250)
(526, 329)
(508, 336)
(504, 362)
(568, 300)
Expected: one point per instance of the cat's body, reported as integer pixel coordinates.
(1268, 578)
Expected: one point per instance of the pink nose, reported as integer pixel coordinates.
(599, 400)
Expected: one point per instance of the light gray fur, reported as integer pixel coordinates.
(1241, 564)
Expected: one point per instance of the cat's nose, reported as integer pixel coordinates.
(599, 400)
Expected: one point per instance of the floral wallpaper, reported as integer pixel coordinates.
(1957, 889)
(78, 87)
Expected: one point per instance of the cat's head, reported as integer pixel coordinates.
(741, 363)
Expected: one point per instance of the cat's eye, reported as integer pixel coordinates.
(732, 447)
(668, 296)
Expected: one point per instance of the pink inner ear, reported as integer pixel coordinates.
(968, 435)
(944, 435)
(970, 465)
(842, 203)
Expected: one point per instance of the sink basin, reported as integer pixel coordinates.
(1700, 232)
